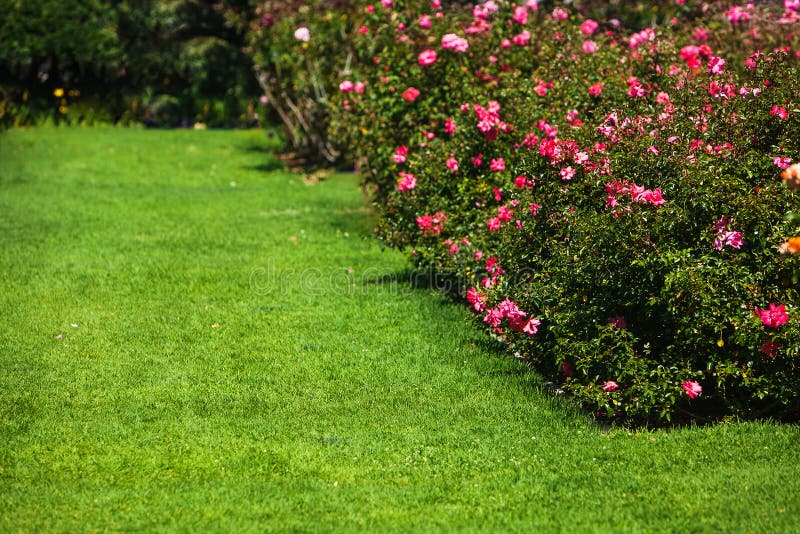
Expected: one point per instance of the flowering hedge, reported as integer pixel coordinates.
(609, 198)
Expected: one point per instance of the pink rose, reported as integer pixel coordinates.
(428, 57)
(407, 183)
(700, 35)
(595, 89)
(531, 326)
(410, 94)
(476, 299)
(493, 317)
(504, 213)
(779, 112)
(692, 388)
(689, 52)
(453, 42)
(638, 39)
(716, 65)
(589, 27)
(610, 386)
(520, 15)
(432, 224)
(400, 154)
(655, 198)
(733, 239)
(522, 39)
(736, 15)
(773, 317)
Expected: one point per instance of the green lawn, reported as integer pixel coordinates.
(192, 340)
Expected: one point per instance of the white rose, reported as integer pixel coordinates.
(302, 34)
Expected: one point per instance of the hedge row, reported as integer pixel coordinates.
(609, 197)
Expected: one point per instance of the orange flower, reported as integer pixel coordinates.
(791, 247)
(791, 175)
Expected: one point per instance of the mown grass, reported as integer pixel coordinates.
(245, 357)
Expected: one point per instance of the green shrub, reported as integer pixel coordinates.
(300, 50)
(643, 235)
(104, 55)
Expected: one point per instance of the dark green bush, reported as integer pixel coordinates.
(110, 60)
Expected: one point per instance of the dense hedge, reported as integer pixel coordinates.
(607, 195)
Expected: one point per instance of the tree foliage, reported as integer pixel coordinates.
(115, 52)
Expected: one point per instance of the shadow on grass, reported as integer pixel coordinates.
(272, 164)
(270, 142)
(412, 278)
(499, 364)
(259, 148)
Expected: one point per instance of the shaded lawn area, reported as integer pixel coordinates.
(189, 342)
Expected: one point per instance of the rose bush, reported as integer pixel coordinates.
(608, 198)
(302, 54)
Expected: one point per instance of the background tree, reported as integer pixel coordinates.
(124, 57)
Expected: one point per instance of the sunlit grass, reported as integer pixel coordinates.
(193, 340)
